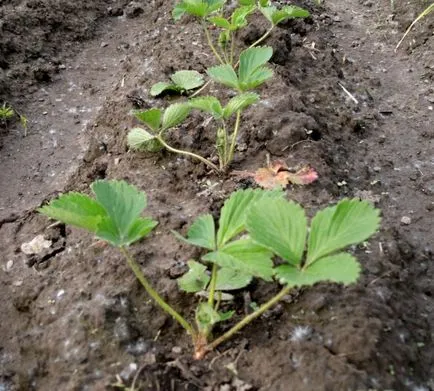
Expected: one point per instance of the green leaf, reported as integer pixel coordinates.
(114, 216)
(221, 22)
(268, 12)
(258, 77)
(334, 228)
(230, 279)
(279, 226)
(226, 315)
(208, 104)
(140, 228)
(341, 268)
(151, 118)
(206, 317)
(240, 102)
(187, 80)
(251, 59)
(295, 12)
(247, 2)
(142, 140)
(123, 203)
(174, 115)
(235, 209)
(78, 210)
(196, 279)
(239, 16)
(245, 256)
(224, 74)
(201, 233)
(198, 8)
(161, 86)
(178, 11)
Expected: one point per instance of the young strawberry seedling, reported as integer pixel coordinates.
(255, 227)
(248, 73)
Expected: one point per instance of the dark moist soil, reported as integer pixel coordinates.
(74, 317)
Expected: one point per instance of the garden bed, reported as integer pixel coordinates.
(76, 319)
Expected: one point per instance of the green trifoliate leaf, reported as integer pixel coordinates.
(276, 16)
(224, 74)
(162, 86)
(196, 279)
(341, 268)
(123, 204)
(208, 104)
(113, 216)
(152, 118)
(187, 80)
(230, 279)
(245, 256)
(280, 226)
(240, 102)
(78, 210)
(198, 8)
(234, 212)
(201, 233)
(174, 115)
(252, 71)
(142, 140)
(334, 228)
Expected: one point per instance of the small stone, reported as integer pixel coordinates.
(104, 44)
(36, 245)
(405, 220)
(177, 350)
(377, 169)
(9, 264)
(60, 293)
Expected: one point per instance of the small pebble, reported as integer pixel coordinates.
(406, 220)
(9, 265)
(104, 44)
(177, 350)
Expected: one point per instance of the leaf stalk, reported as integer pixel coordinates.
(187, 153)
(234, 138)
(249, 318)
(135, 267)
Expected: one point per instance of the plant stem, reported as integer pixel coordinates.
(234, 138)
(211, 45)
(249, 318)
(201, 89)
(191, 154)
(232, 48)
(135, 267)
(212, 285)
(265, 36)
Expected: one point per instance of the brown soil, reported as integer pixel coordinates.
(75, 318)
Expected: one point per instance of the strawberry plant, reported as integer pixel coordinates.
(255, 228)
(247, 74)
